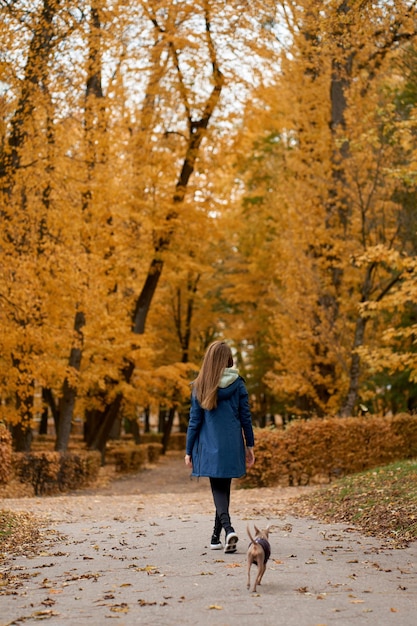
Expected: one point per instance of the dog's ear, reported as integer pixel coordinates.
(267, 529)
(257, 531)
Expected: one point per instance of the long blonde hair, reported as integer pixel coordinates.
(217, 357)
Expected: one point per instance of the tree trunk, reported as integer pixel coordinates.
(134, 429)
(169, 421)
(107, 419)
(43, 424)
(337, 206)
(22, 434)
(355, 365)
(184, 336)
(147, 412)
(69, 390)
(49, 399)
(355, 369)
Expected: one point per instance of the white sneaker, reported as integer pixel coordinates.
(231, 541)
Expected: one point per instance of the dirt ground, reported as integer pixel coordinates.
(157, 486)
(170, 476)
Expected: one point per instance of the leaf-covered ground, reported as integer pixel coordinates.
(381, 502)
(19, 532)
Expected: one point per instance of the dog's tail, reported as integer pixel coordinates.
(249, 533)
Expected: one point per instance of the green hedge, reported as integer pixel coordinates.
(319, 450)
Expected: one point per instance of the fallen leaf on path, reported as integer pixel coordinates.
(142, 602)
(40, 615)
(120, 608)
(150, 569)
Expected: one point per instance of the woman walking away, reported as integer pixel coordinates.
(220, 425)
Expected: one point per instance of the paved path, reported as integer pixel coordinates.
(139, 557)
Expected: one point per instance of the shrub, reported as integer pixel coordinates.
(154, 452)
(177, 441)
(405, 426)
(270, 467)
(318, 450)
(78, 470)
(5, 455)
(51, 472)
(130, 458)
(39, 469)
(151, 438)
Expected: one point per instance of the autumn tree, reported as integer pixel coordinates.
(195, 73)
(391, 357)
(108, 107)
(33, 245)
(325, 180)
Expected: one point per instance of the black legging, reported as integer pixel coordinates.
(220, 488)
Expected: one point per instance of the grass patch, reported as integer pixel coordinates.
(381, 502)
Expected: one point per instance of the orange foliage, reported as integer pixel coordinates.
(319, 450)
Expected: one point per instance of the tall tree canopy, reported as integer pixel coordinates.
(326, 196)
(171, 172)
(113, 116)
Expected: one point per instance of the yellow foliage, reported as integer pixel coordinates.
(322, 247)
(119, 160)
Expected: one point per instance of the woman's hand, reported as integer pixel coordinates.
(250, 457)
(188, 460)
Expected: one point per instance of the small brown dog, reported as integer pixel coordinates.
(259, 552)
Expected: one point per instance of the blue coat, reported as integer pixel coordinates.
(216, 439)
